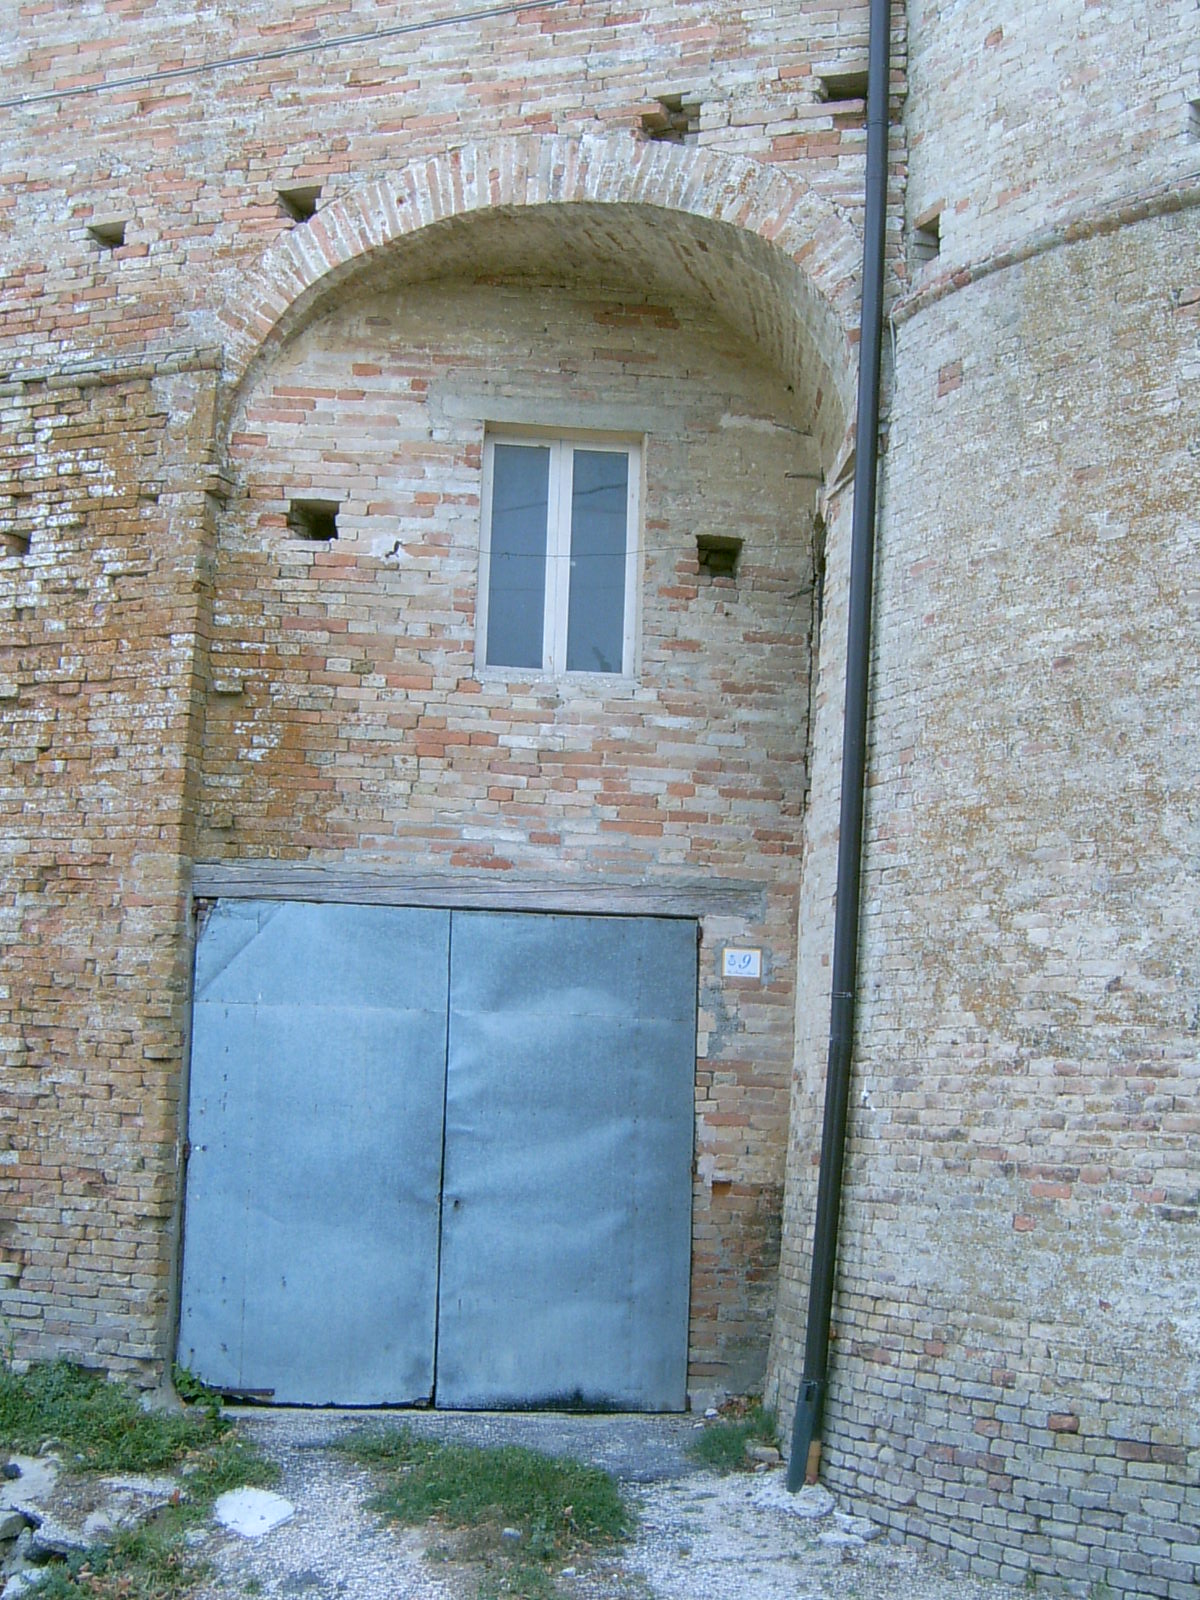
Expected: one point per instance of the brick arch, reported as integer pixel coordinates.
(819, 249)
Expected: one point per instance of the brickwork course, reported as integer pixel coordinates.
(645, 221)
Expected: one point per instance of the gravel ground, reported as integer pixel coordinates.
(701, 1537)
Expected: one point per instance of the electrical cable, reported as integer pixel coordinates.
(281, 53)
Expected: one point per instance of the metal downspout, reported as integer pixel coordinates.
(804, 1460)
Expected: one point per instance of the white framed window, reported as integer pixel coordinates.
(558, 574)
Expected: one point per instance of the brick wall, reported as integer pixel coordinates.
(325, 736)
(100, 610)
(1019, 1329)
(1023, 118)
(1015, 1370)
(194, 162)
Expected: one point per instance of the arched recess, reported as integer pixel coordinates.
(773, 258)
(708, 305)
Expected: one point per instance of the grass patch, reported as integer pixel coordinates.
(98, 1427)
(560, 1509)
(722, 1443)
(230, 1462)
(98, 1424)
(148, 1564)
(523, 1580)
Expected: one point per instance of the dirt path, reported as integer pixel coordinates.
(701, 1536)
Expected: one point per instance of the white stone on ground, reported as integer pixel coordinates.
(252, 1512)
(24, 1583)
(810, 1503)
(38, 1476)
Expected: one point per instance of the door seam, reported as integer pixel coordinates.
(437, 1276)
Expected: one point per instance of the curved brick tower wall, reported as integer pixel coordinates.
(1016, 1369)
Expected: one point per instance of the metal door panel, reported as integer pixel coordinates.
(567, 1187)
(318, 1065)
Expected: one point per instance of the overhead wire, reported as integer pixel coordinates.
(285, 52)
(279, 53)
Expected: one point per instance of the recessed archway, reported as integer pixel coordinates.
(771, 256)
(694, 307)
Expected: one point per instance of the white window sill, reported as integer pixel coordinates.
(568, 685)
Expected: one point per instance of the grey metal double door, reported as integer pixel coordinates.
(441, 1156)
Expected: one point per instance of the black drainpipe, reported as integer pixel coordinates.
(804, 1461)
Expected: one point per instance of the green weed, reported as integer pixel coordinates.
(192, 1390)
(99, 1427)
(148, 1564)
(228, 1463)
(556, 1507)
(520, 1579)
(721, 1444)
(98, 1423)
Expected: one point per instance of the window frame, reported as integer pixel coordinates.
(562, 447)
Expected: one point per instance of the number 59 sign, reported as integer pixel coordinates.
(741, 963)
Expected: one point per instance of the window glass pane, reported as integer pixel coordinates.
(517, 571)
(596, 602)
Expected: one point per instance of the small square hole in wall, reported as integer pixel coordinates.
(849, 83)
(1193, 119)
(300, 204)
(673, 120)
(13, 542)
(107, 231)
(927, 236)
(313, 519)
(717, 554)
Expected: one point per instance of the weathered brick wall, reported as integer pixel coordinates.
(194, 162)
(1017, 1320)
(1015, 1364)
(1022, 118)
(1021, 1322)
(100, 612)
(328, 735)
